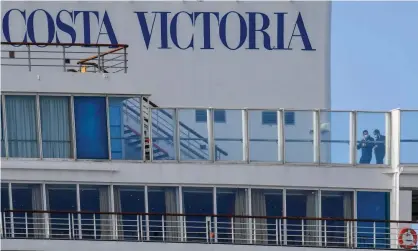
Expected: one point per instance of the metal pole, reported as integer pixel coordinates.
(63, 58)
(98, 59)
(280, 136)
(177, 134)
(29, 59)
(316, 137)
(125, 60)
(353, 138)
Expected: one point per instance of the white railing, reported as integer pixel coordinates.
(226, 229)
(67, 57)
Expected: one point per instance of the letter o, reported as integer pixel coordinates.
(242, 33)
(51, 27)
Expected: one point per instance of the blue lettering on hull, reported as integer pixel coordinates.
(250, 24)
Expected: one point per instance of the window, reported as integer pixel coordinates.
(27, 197)
(95, 199)
(163, 200)
(91, 127)
(61, 198)
(129, 199)
(373, 206)
(289, 118)
(266, 202)
(270, 118)
(197, 201)
(219, 116)
(301, 203)
(21, 126)
(231, 201)
(55, 124)
(336, 204)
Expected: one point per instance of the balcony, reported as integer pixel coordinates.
(204, 229)
(133, 128)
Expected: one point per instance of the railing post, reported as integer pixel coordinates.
(353, 138)
(388, 143)
(4, 124)
(163, 227)
(374, 234)
(1, 225)
(325, 233)
(26, 225)
(63, 59)
(245, 142)
(94, 226)
(5, 224)
(72, 226)
(316, 138)
(98, 59)
(280, 232)
(69, 226)
(176, 134)
(303, 232)
(29, 58)
(232, 230)
(349, 235)
(280, 136)
(211, 139)
(125, 60)
(139, 227)
(277, 232)
(151, 151)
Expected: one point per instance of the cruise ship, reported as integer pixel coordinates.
(192, 125)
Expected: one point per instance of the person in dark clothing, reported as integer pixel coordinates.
(366, 145)
(379, 147)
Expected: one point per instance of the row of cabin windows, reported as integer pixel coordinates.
(267, 117)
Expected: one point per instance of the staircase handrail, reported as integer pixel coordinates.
(169, 137)
(139, 134)
(186, 127)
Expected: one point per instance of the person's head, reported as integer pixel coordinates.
(376, 132)
(365, 134)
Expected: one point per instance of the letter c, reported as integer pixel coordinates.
(6, 26)
(173, 30)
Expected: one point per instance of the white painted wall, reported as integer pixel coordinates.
(241, 78)
(197, 174)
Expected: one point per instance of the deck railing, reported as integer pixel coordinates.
(224, 229)
(67, 57)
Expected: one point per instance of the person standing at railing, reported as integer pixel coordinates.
(366, 145)
(379, 147)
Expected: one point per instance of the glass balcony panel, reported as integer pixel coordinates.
(409, 137)
(125, 128)
(193, 134)
(298, 137)
(371, 137)
(335, 137)
(163, 131)
(228, 135)
(263, 135)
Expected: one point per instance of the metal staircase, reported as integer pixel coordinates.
(192, 145)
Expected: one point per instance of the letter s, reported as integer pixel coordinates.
(68, 29)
